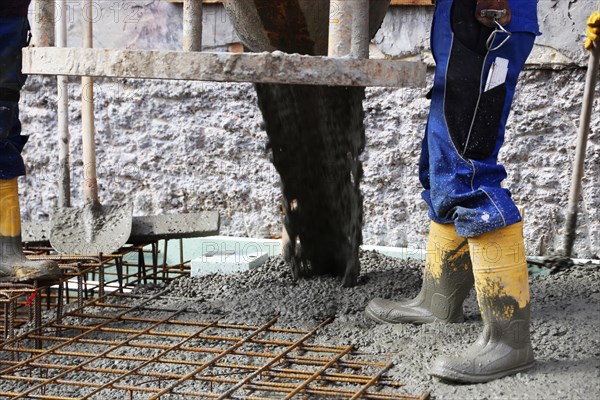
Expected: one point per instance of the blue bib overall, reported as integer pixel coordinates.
(13, 37)
(470, 102)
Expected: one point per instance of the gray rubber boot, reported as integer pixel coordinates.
(501, 280)
(503, 348)
(447, 281)
(15, 267)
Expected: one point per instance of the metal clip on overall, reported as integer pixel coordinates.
(496, 15)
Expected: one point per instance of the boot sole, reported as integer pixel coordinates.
(459, 377)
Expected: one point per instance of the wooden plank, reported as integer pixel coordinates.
(265, 67)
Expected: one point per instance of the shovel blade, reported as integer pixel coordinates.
(91, 229)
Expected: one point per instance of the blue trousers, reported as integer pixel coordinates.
(459, 167)
(13, 37)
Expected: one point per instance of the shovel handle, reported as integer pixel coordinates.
(90, 181)
(64, 186)
(580, 149)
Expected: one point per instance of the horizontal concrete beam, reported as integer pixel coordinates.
(144, 229)
(393, 2)
(274, 67)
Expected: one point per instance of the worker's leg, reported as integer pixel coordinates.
(473, 91)
(459, 170)
(14, 32)
(447, 280)
(458, 166)
(14, 266)
(13, 36)
(501, 281)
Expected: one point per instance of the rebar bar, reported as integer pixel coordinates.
(120, 344)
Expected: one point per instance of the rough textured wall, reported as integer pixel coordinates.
(183, 146)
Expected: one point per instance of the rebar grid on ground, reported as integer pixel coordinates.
(84, 277)
(125, 346)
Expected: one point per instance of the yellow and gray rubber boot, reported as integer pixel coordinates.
(14, 266)
(447, 281)
(501, 281)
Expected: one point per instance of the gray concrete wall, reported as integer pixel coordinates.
(181, 146)
(144, 24)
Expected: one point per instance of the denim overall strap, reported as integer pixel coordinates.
(471, 100)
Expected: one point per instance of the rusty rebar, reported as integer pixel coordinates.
(79, 366)
(145, 363)
(222, 354)
(279, 362)
(74, 339)
(274, 360)
(314, 376)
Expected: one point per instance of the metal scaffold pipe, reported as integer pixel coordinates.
(43, 25)
(192, 25)
(349, 28)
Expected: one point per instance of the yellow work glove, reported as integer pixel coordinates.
(593, 30)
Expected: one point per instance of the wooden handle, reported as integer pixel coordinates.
(580, 149)
(90, 181)
(64, 182)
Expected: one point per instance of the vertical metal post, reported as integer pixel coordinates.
(12, 318)
(181, 253)
(43, 25)
(6, 306)
(59, 303)
(119, 267)
(64, 179)
(360, 29)
(155, 251)
(101, 278)
(79, 290)
(141, 272)
(582, 136)
(37, 312)
(164, 265)
(192, 25)
(349, 28)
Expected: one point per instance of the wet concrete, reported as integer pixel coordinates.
(91, 229)
(316, 135)
(565, 310)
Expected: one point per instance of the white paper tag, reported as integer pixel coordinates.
(497, 74)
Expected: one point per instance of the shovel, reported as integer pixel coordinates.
(94, 228)
(580, 150)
